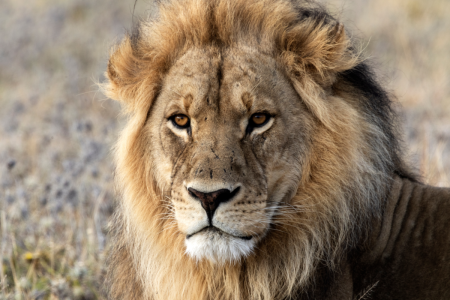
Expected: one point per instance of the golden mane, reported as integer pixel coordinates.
(347, 172)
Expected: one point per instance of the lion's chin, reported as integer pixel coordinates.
(218, 247)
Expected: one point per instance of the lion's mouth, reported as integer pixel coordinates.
(213, 229)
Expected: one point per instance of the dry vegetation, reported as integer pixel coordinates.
(56, 129)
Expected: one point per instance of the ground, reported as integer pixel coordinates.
(56, 128)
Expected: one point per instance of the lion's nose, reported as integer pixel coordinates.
(210, 201)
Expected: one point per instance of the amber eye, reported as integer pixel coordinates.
(181, 121)
(259, 119)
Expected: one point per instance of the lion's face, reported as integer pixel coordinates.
(229, 133)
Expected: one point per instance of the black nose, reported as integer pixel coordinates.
(210, 201)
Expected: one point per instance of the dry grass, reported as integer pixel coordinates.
(56, 190)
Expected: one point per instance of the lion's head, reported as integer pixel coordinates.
(258, 146)
(232, 134)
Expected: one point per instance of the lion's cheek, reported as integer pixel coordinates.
(162, 173)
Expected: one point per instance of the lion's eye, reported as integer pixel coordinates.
(259, 119)
(181, 121)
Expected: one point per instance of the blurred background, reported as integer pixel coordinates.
(56, 128)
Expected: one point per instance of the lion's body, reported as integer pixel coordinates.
(295, 207)
(410, 251)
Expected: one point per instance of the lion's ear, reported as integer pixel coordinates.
(319, 49)
(121, 72)
(315, 52)
(131, 75)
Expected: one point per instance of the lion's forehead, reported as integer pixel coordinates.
(216, 81)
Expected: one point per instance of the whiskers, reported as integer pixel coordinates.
(278, 217)
(287, 214)
(167, 216)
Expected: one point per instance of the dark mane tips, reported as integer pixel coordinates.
(378, 108)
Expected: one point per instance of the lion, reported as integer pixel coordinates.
(261, 159)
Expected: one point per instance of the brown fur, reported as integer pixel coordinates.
(407, 256)
(334, 160)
